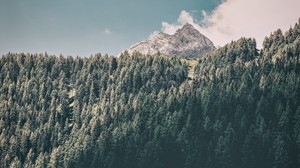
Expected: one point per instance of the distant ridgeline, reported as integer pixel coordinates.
(241, 109)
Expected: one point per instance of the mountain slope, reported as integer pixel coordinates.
(186, 42)
(241, 109)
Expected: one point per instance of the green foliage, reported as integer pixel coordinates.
(242, 109)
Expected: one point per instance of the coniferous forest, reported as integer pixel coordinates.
(241, 108)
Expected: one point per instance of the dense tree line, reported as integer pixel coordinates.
(241, 109)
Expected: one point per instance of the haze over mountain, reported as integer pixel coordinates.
(186, 42)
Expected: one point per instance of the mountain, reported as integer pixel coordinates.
(240, 110)
(186, 42)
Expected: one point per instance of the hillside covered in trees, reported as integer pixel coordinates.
(241, 109)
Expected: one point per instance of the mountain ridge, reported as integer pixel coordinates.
(186, 42)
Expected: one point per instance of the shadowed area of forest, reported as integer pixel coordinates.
(240, 109)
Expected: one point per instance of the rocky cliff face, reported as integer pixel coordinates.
(186, 42)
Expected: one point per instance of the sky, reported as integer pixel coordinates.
(85, 27)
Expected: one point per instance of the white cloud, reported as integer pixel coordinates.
(233, 19)
(107, 31)
(184, 18)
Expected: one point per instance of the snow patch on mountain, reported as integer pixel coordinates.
(186, 42)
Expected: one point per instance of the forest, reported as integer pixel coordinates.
(240, 110)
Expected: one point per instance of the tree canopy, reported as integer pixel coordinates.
(241, 109)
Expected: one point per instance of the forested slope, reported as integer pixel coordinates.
(242, 108)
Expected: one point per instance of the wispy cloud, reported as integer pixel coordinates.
(107, 31)
(233, 19)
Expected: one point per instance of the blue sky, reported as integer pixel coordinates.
(85, 27)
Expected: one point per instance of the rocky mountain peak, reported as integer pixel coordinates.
(187, 28)
(186, 42)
